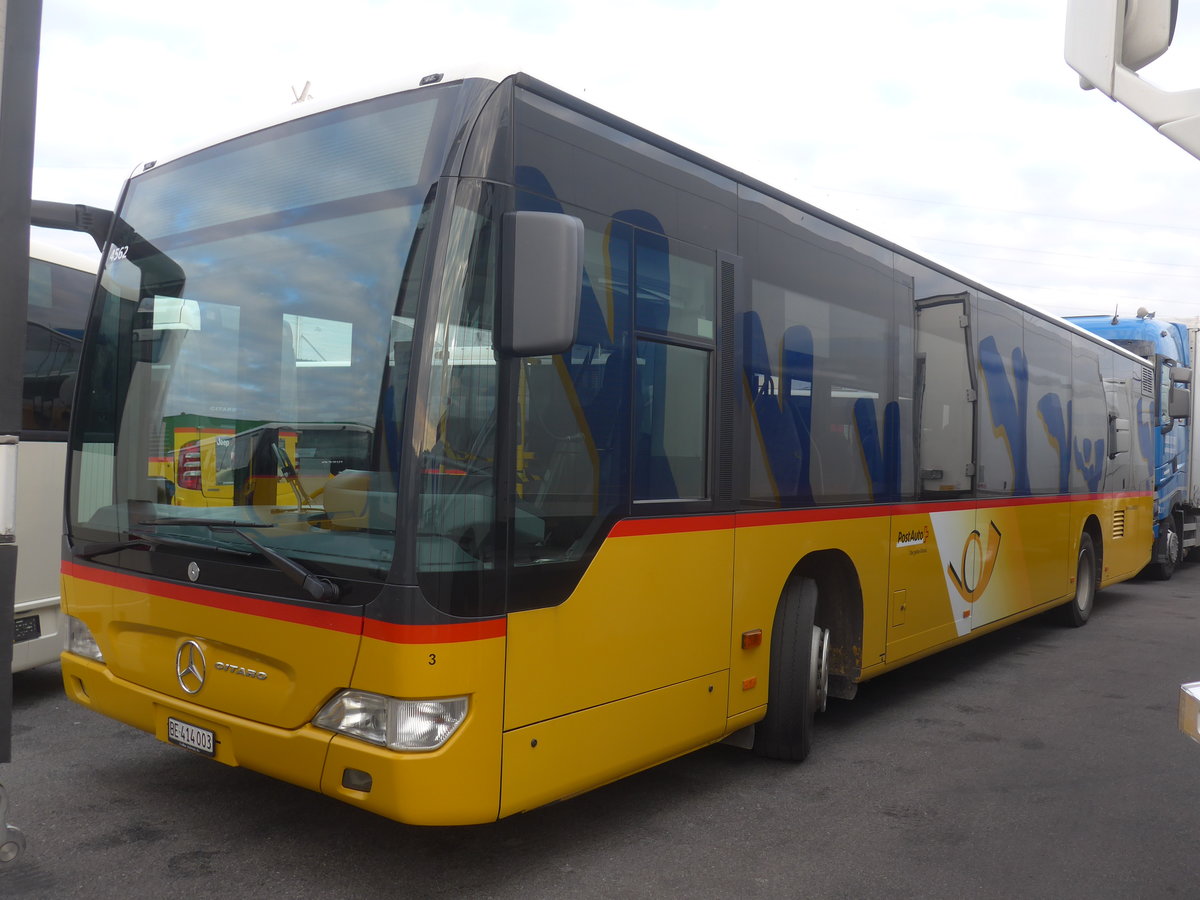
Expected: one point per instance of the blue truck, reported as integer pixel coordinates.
(1170, 347)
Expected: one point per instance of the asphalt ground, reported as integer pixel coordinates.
(1038, 761)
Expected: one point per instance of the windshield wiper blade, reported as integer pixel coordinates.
(88, 549)
(137, 540)
(320, 589)
(207, 523)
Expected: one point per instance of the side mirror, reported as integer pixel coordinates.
(1179, 403)
(1108, 41)
(1105, 34)
(1148, 31)
(543, 280)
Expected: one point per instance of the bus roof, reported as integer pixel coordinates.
(497, 75)
(50, 253)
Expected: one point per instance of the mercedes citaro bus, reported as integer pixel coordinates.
(459, 449)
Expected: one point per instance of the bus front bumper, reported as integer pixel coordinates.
(434, 788)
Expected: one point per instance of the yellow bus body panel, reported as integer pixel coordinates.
(571, 754)
(630, 670)
(663, 647)
(651, 611)
(457, 784)
(924, 571)
(769, 547)
(460, 782)
(140, 632)
(1129, 538)
(292, 755)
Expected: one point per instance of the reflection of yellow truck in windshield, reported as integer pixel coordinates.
(212, 461)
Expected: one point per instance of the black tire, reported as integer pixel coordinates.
(799, 676)
(1079, 610)
(1170, 547)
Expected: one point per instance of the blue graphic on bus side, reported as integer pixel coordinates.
(782, 406)
(1008, 404)
(1009, 407)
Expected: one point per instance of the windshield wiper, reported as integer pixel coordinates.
(86, 550)
(137, 541)
(218, 523)
(320, 589)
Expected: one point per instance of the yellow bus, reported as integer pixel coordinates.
(608, 452)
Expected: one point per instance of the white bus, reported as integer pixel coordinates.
(60, 291)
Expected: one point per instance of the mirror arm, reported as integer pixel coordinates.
(90, 220)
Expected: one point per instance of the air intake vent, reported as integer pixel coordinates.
(1147, 382)
(1118, 524)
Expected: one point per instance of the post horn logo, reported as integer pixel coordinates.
(190, 667)
(971, 585)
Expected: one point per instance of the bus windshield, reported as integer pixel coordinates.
(251, 339)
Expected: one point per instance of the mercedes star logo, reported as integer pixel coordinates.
(190, 667)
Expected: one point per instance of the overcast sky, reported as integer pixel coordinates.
(952, 127)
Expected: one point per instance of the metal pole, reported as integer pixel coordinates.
(22, 24)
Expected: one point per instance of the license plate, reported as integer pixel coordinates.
(199, 739)
(27, 629)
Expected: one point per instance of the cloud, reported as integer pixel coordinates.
(955, 128)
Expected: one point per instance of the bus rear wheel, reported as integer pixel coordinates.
(799, 675)
(1079, 610)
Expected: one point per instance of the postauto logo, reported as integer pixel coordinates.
(913, 537)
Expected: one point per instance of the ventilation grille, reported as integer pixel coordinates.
(1118, 524)
(1147, 382)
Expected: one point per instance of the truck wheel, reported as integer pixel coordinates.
(1077, 612)
(799, 676)
(1169, 546)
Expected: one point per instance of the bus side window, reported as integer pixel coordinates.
(945, 448)
(670, 441)
(675, 289)
(58, 304)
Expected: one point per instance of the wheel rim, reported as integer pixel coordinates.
(819, 667)
(1084, 578)
(1172, 546)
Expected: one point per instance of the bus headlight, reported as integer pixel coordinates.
(81, 641)
(411, 725)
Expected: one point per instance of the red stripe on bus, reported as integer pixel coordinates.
(671, 525)
(765, 518)
(330, 620)
(801, 516)
(451, 633)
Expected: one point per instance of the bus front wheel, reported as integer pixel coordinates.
(799, 675)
